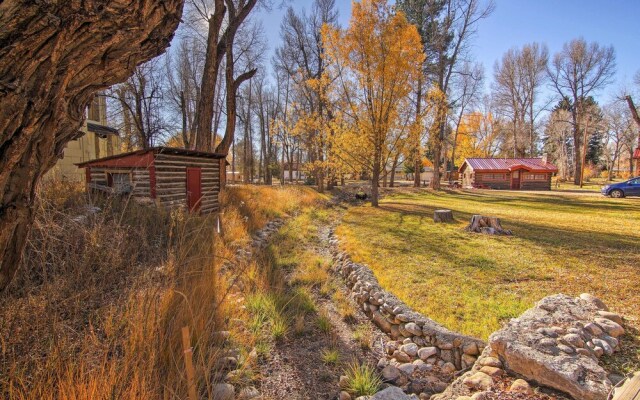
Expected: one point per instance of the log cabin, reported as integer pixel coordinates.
(507, 173)
(168, 177)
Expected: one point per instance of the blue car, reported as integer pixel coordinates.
(622, 189)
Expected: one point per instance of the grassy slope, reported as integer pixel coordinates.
(470, 283)
(96, 310)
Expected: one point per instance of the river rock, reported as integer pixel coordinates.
(411, 349)
(392, 393)
(612, 316)
(427, 352)
(479, 380)
(521, 386)
(223, 391)
(612, 328)
(413, 329)
(391, 373)
(599, 304)
(344, 396)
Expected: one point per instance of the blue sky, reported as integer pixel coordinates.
(553, 22)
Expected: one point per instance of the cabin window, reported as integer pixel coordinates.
(535, 177)
(494, 177)
(120, 182)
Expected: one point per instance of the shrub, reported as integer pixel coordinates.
(362, 380)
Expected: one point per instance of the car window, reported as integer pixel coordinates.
(634, 181)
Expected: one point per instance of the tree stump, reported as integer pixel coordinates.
(487, 225)
(442, 216)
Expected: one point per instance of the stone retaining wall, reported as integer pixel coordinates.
(417, 337)
(557, 344)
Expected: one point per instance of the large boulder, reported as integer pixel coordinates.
(535, 346)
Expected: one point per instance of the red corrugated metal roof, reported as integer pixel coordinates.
(134, 158)
(509, 164)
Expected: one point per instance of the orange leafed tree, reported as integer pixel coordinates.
(476, 137)
(375, 60)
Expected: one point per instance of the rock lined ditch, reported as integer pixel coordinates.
(555, 344)
(226, 366)
(422, 356)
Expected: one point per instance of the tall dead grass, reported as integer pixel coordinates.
(97, 308)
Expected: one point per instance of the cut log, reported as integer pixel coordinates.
(487, 225)
(630, 390)
(442, 216)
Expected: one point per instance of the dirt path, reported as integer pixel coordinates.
(295, 369)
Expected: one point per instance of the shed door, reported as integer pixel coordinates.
(194, 188)
(515, 180)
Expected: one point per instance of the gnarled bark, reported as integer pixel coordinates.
(54, 55)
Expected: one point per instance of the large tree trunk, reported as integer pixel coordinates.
(53, 57)
(577, 150)
(213, 59)
(375, 176)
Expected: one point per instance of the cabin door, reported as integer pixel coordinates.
(194, 188)
(515, 180)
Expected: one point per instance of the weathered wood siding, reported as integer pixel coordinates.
(537, 184)
(480, 180)
(171, 180)
(140, 184)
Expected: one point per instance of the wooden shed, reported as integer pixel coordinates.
(507, 173)
(169, 177)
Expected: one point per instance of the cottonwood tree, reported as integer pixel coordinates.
(518, 78)
(139, 104)
(576, 73)
(469, 85)
(301, 57)
(619, 125)
(224, 18)
(53, 57)
(375, 60)
(558, 139)
(184, 74)
(446, 27)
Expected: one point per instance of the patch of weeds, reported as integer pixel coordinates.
(324, 323)
(299, 325)
(344, 308)
(363, 336)
(279, 328)
(362, 380)
(302, 301)
(330, 356)
(263, 349)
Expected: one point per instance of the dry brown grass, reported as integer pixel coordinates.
(96, 310)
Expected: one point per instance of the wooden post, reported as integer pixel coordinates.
(188, 362)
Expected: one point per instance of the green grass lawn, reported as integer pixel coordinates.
(568, 243)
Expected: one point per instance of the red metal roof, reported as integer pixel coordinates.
(144, 157)
(509, 164)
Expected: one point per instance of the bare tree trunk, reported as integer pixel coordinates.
(213, 59)
(53, 57)
(417, 157)
(183, 109)
(393, 170)
(375, 181)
